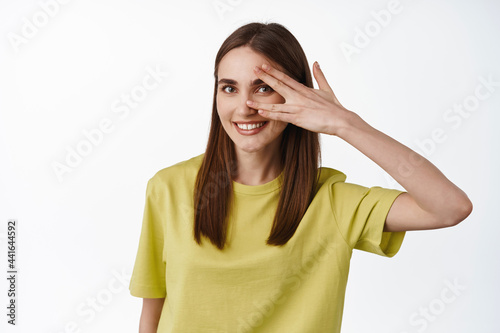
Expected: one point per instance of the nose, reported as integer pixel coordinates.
(243, 108)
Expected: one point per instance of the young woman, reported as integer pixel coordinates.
(254, 235)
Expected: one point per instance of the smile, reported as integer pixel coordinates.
(250, 126)
(250, 129)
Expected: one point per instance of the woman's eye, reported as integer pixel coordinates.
(225, 89)
(269, 89)
(229, 89)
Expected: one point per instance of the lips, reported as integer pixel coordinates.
(247, 127)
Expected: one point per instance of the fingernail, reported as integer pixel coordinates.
(265, 67)
(257, 69)
(317, 65)
(249, 102)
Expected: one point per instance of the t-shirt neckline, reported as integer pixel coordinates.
(259, 189)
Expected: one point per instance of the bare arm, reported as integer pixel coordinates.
(432, 200)
(150, 316)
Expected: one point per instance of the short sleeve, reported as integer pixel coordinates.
(148, 275)
(360, 213)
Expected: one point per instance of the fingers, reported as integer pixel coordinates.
(269, 107)
(278, 80)
(322, 82)
(320, 78)
(280, 116)
(279, 112)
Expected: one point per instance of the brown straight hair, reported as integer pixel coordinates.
(299, 148)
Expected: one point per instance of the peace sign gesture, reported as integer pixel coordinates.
(316, 110)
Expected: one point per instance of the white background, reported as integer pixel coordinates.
(78, 235)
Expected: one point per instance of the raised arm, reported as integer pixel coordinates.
(431, 200)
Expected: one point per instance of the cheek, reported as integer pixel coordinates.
(272, 99)
(278, 126)
(223, 108)
(277, 98)
(220, 110)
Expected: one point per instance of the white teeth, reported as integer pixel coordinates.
(250, 126)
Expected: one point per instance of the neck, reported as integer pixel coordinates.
(256, 168)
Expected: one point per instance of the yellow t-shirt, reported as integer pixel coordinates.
(250, 286)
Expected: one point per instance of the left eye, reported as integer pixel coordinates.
(267, 87)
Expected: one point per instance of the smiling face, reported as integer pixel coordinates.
(237, 84)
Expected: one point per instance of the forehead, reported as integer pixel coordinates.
(239, 62)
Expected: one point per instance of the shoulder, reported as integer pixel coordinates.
(334, 181)
(185, 170)
(346, 198)
(328, 176)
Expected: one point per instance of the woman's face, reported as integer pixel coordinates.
(237, 84)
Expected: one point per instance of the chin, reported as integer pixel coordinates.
(252, 149)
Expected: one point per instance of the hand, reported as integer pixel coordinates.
(316, 110)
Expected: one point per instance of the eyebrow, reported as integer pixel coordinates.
(233, 82)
